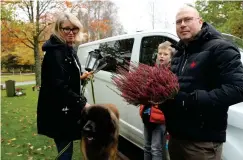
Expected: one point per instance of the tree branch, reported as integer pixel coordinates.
(43, 6)
(27, 10)
(41, 30)
(23, 41)
(16, 35)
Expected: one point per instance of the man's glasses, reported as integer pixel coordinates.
(186, 20)
(68, 30)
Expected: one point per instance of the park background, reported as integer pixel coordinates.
(26, 25)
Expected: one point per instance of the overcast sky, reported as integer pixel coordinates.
(135, 15)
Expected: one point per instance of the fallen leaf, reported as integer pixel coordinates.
(13, 139)
(30, 158)
(8, 153)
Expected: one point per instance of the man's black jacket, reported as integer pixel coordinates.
(210, 75)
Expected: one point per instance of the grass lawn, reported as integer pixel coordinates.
(19, 140)
(17, 78)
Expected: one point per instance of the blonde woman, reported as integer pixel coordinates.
(60, 100)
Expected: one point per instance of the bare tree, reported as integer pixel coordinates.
(99, 19)
(158, 15)
(111, 14)
(152, 13)
(34, 27)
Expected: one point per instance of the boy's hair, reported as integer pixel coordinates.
(167, 45)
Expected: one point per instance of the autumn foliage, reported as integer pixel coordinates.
(68, 3)
(144, 84)
(102, 25)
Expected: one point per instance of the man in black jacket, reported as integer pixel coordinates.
(210, 75)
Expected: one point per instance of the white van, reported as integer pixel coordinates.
(141, 47)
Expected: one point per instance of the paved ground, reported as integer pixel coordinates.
(121, 156)
(128, 151)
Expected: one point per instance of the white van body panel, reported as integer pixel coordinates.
(131, 126)
(233, 148)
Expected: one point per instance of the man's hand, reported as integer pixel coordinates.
(181, 96)
(86, 75)
(182, 99)
(186, 99)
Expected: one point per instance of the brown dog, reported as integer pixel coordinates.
(100, 132)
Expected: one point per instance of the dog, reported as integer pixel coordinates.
(100, 132)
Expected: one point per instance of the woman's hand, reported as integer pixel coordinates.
(87, 105)
(86, 75)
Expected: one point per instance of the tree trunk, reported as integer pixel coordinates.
(37, 62)
(36, 45)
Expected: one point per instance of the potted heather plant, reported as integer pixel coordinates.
(145, 84)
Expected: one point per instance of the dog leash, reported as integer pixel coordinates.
(63, 150)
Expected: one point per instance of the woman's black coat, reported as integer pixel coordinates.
(60, 100)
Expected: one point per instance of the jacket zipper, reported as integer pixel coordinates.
(183, 67)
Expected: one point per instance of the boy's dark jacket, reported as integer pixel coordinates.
(210, 75)
(60, 90)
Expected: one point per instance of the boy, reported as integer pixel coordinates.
(153, 117)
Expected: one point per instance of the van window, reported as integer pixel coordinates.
(149, 48)
(118, 52)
